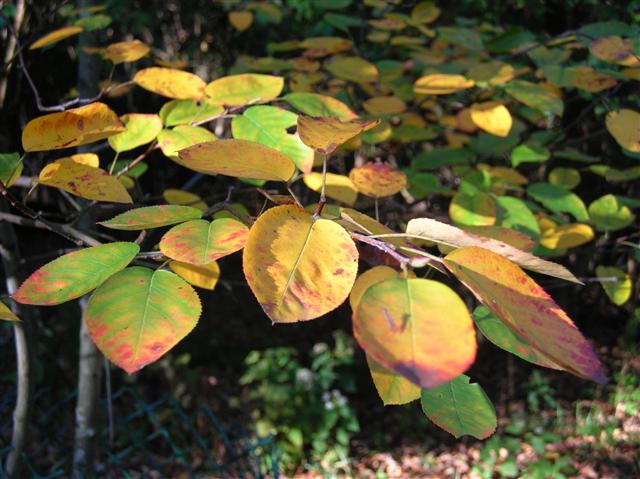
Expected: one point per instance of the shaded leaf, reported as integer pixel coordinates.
(460, 408)
(55, 36)
(535, 96)
(441, 84)
(378, 179)
(523, 306)
(240, 158)
(10, 168)
(75, 127)
(152, 217)
(241, 21)
(325, 134)
(200, 242)
(353, 69)
(623, 126)
(124, 52)
(338, 187)
(313, 104)
(139, 314)
(558, 200)
(6, 314)
(185, 198)
(75, 274)
(299, 268)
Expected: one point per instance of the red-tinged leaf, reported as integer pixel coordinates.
(139, 314)
(79, 126)
(522, 305)
(298, 267)
(325, 134)
(75, 274)
(460, 408)
(378, 179)
(432, 230)
(200, 242)
(152, 217)
(418, 328)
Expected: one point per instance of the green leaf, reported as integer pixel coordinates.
(607, 214)
(515, 214)
(183, 136)
(460, 408)
(200, 242)
(185, 112)
(139, 314)
(567, 178)
(313, 104)
(93, 22)
(268, 125)
(152, 217)
(487, 144)
(422, 185)
(75, 274)
(558, 200)
(535, 96)
(141, 129)
(495, 331)
(529, 153)
(436, 159)
(618, 291)
(10, 168)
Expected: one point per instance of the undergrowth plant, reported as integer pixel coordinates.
(394, 171)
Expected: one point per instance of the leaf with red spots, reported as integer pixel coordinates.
(139, 314)
(525, 308)
(378, 179)
(200, 242)
(297, 266)
(432, 230)
(325, 134)
(79, 126)
(460, 408)
(152, 217)
(83, 181)
(75, 274)
(418, 328)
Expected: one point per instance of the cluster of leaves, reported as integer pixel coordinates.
(471, 103)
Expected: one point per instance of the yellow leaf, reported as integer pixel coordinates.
(236, 90)
(492, 73)
(79, 126)
(624, 126)
(392, 388)
(6, 313)
(186, 198)
(203, 276)
(384, 105)
(317, 47)
(325, 134)
(298, 267)
(441, 84)
(89, 159)
(338, 187)
(492, 117)
(633, 73)
(124, 52)
(378, 179)
(614, 49)
(566, 236)
(84, 181)
(170, 83)
(478, 209)
(55, 36)
(353, 69)
(240, 158)
(116, 89)
(241, 20)
(618, 290)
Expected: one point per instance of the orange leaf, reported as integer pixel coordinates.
(378, 179)
(325, 134)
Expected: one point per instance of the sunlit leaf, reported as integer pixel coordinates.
(200, 242)
(477, 209)
(378, 179)
(439, 232)
(299, 268)
(241, 21)
(522, 305)
(129, 51)
(529, 153)
(245, 88)
(79, 126)
(75, 274)
(492, 117)
(240, 158)
(623, 126)
(141, 129)
(203, 276)
(609, 215)
(84, 181)
(55, 36)
(403, 323)
(460, 408)
(338, 187)
(152, 217)
(499, 334)
(139, 314)
(184, 198)
(10, 168)
(181, 137)
(313, 104)
(170, 82)
(441, 84)
(619, 290)
(325, 134)
(185, 112)
(268, 126)
(566, 236)
(353, 69)
(558, 200)
(6, 314)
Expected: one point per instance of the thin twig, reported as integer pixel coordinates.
(75, 236)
